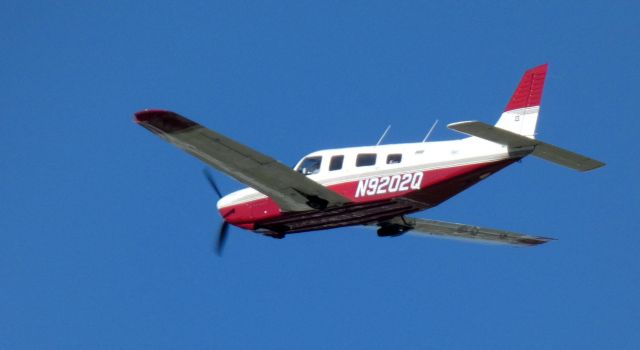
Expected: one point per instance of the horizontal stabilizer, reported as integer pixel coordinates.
(518, 142)
(467, 232)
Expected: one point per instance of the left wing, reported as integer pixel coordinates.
(290, 189)
(467, 232)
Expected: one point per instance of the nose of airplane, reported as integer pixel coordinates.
(237, 216)
(227, 213)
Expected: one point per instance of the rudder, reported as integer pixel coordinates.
(521, 114)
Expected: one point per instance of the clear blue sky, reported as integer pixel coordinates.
(106, 232)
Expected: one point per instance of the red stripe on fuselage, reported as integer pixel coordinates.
(436, 186)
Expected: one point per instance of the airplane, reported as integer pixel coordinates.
(376, 186)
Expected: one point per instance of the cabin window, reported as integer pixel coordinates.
(309, 166)
(336, 163)
(366, 159)
(394, 158)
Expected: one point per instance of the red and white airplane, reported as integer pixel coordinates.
(372, 185)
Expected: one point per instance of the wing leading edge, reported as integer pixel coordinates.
(466, 232)
(291, 190)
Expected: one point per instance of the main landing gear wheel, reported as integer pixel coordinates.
(276, 235)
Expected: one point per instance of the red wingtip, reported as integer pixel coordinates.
(164, 121)
(148, 114)
(529, 91)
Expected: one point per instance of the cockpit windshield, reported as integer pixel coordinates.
(310, 165)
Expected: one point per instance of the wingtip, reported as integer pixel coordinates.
(162, 120)
(596, 164)
(146, 115)
(533, 241)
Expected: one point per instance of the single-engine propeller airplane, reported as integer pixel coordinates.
(372, 185)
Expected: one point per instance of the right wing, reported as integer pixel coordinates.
(291, 190)
(460, 231)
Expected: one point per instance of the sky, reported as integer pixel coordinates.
(107, 232)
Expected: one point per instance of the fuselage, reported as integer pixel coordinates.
(380, 181)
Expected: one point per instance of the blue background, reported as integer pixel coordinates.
(106, 232)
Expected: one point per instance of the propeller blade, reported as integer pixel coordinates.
(224, 228)
(212, 182)
(222, 237)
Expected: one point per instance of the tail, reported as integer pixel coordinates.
(521, 114)
(516, 128)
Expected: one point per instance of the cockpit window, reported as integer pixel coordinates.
(310, 165)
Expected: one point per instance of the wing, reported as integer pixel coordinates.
(460, 231)
(290, 189)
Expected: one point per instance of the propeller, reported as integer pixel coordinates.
(224, 227)
(222, 237)
(212, 182)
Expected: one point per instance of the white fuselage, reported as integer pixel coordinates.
(415, 158)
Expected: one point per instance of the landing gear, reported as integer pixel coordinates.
(314, 201)
(277, 235)
(317, 203)
(392, 230)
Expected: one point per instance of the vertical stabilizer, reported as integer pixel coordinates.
(521, 114)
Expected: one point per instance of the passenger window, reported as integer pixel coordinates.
(366, 159)
(336, 163)
(310, 166)
(394, 158)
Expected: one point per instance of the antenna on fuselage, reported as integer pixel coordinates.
(430, 131)
(383, 135)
